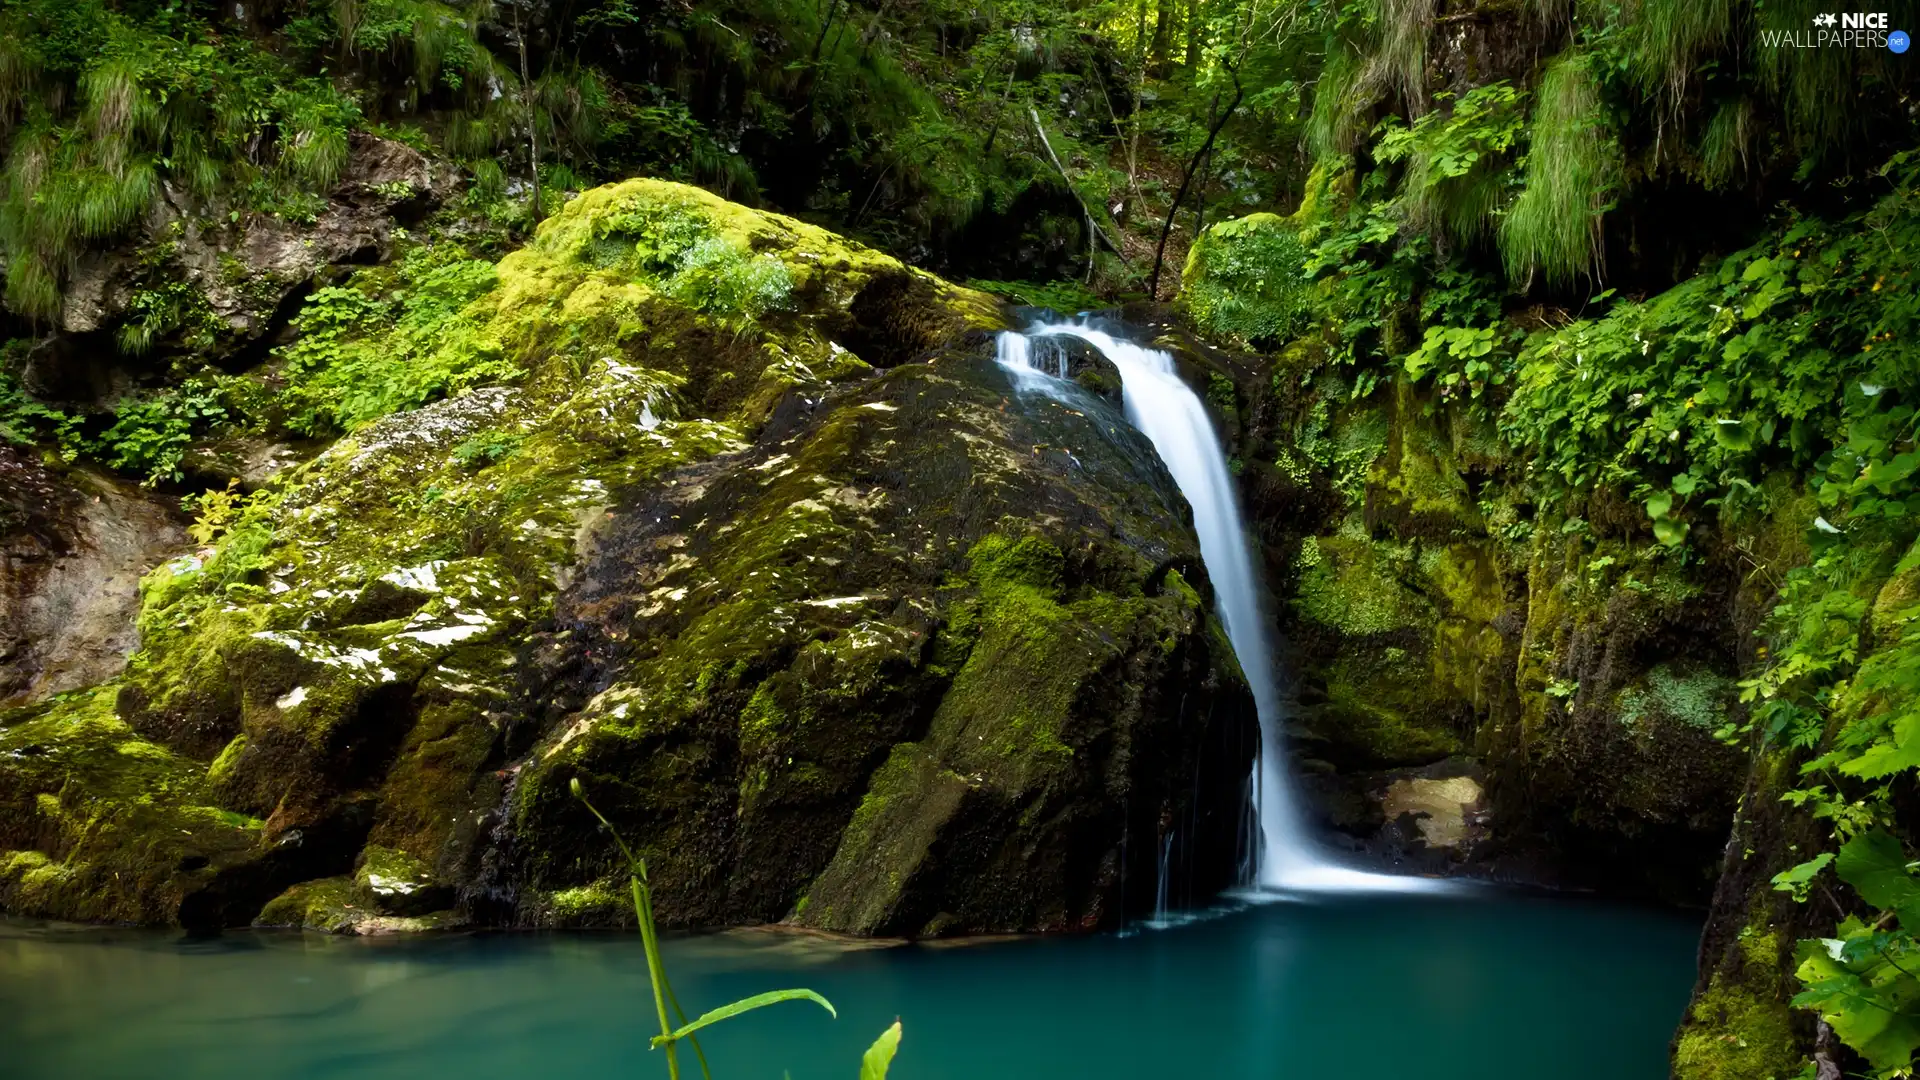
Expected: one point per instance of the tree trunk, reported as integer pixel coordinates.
(527, 109)
(1162, 35)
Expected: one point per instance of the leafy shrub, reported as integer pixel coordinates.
(485, 448)
(150, 434)
(685, 256)
(359, 357)
(1705, 387)
(1246, 279)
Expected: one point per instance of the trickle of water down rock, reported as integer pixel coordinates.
(1165, 409)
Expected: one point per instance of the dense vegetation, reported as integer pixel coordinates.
(1658, 261)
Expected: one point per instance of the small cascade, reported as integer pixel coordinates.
(1160, 885)
(1172, 417)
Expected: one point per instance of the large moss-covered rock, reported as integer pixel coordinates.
(733, 522)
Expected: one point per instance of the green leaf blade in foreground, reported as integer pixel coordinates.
(879, 1057)
(1876, 866)
(724, 1012)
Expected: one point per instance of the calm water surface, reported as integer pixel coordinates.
(1411, 989)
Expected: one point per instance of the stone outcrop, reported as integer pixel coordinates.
(758, 544)
(73, 546)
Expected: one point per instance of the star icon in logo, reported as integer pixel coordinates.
(1825, 20)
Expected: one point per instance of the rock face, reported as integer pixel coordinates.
(72, 550)
(758, 545)
(218, 281)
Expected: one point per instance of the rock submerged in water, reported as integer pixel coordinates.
(759, 545)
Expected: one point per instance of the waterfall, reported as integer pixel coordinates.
(1171, 416)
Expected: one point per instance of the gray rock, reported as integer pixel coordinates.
(250, 267)
(72, 551)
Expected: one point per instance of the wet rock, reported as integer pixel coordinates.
(397, 883)
(747, 552)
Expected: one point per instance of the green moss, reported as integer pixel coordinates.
(1357, 586)
(601, 903)
(111, 816)
(1030, 560)
(222, 768)
(1245, 279)
(1733, 1034)
(327, 905)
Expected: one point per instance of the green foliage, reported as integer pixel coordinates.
(25, 421)
(735, 1008)
(1861, 980)
(1704, 388)
(485, 448)
(150, 434)
(105, 103)
(1066, 297)
(689, 259)
(1842, 671)
(1245, 279)
(879, 1057)
(361, 356)
(214, 512)
(1458, 161)
(1573, 174)
(1459, 358)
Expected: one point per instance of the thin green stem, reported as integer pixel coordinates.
(694, 1039)
(655, 970)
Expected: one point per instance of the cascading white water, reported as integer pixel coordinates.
(1170, 415)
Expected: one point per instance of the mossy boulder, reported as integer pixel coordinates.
(1245, 280)
(938, 577)
(714, 511)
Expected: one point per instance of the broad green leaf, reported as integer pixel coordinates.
(1876, 866)
(1873, 1015)
(1885, 474)
(724, 1012)
(1659, 504)
(1884, 758)
(879, 1057)
(1797, 879)
(1685, 483)
(1669, 532)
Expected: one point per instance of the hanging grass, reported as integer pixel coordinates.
(1726, 144)
(1343, 100)
(1573, 172)
(1405, 27)
(1671, 36)
(101, 110)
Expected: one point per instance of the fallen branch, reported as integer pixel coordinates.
(1093, 226)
